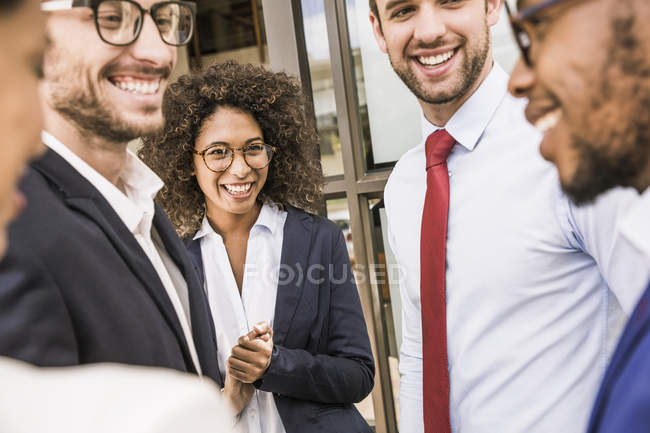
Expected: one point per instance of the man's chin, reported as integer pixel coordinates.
(583, 188)
(136, 125)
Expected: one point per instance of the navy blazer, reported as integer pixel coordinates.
(623, 402)
(77, 288)
(321, 362)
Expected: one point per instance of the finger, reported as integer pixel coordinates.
(241, 366)
(257, 345)
(263, 328)
(255, 364)
(245, 337)
(244, 354)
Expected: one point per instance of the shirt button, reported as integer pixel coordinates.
(252, 413)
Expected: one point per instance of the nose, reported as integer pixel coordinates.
(522, 80)
(430, 24)
(239, 167)
(150, 48)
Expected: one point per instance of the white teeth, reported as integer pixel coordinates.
(238, 189)
(548, 121)
(139, 87)
(436, 60)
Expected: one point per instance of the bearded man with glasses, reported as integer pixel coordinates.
(585, 70)
(95, 271)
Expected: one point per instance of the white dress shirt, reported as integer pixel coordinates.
(108, 398)
(235, 315)
(538, 290)
(135, 207)
(635, 228)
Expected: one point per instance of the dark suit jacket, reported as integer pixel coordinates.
(321, 362)
(623, 402)
(76, 287)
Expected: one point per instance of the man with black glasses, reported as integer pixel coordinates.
(95, 271)
(586, 70)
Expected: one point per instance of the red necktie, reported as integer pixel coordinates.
(432, 285)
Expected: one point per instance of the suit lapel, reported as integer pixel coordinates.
(296, 244)
(79, 194)
(636, 326)
(202, 325)
(194, 250)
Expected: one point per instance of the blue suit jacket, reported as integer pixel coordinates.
(623, 402)
(77, 288)
(321, 362)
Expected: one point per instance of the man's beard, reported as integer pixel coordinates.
(613, 145)
(473, 64)
(95, 117)
(75, 97)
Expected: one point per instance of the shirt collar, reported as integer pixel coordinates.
(269, 218)
(469, 122)
(140, 182)
(634, 225)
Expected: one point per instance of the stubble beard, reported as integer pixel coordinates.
(473, 64)
(75, 97)
(613, 142)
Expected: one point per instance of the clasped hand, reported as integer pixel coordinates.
(251, 357)
(248, 362)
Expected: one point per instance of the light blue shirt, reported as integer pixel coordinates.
(634, 225)
(538, 289)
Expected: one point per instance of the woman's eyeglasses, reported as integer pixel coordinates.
(219, 157)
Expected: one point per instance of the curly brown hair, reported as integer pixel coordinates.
(277, 103)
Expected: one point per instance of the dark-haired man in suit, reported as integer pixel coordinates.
(95, 271)
(586, 71)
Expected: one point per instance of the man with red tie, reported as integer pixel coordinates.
(512, 297)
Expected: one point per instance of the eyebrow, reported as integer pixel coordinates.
(225, 143)
(390, 4)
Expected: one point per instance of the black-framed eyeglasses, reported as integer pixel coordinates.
(119, 22)
(219, 157)
(522, 37)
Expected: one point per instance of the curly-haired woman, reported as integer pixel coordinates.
(239, 159)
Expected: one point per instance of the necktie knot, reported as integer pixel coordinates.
(438, 147)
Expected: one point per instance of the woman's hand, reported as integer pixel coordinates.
(252, 356)
(237, 393)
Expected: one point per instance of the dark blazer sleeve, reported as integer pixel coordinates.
(34, 323)
(345, 373)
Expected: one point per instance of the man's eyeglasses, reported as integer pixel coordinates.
(522, 37)
(119, 22)
(220, 156)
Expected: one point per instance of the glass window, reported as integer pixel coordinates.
(386, 274)
(229, 29)
(384, 101)
(339, 212)
(225, 25)
(322, 84)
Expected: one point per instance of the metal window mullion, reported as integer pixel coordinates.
(353, 169)
(376, 304)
